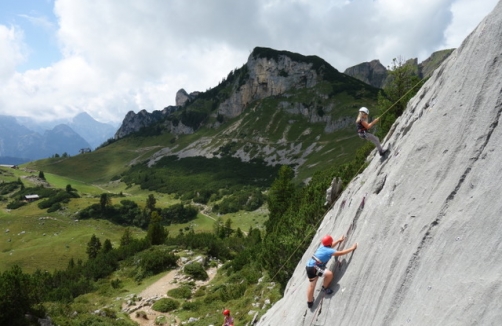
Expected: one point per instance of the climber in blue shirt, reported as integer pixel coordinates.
(316, 266)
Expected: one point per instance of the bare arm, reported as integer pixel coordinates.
(369, 125)
(346, 251)
(338, 241)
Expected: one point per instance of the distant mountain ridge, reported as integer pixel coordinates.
(94, 132)
(23, 139)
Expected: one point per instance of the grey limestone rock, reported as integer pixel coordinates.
(429, 238)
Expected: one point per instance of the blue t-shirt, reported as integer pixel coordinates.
(323, 254)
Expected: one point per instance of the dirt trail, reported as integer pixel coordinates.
(159, 290)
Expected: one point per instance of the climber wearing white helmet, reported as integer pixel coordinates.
(363, 126)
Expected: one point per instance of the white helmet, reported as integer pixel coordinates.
(365, 110)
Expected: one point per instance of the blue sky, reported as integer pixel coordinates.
(37, 21)
(62, 57)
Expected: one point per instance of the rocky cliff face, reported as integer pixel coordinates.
(427, 218)
(428, 66)
(375, 74)
(133, 122)
(182, 97)
(268, 77)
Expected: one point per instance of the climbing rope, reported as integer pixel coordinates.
(304, 239)
(390, 107)
(361, 206)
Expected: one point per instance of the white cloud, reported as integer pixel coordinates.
(132, 55)
(467, 17)
(39, 21)
(13, 51)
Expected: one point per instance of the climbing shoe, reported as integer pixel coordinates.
(327, 291)
(310, 304)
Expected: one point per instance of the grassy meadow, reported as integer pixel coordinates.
(34, 239)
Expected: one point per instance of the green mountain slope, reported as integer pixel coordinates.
(280, 107)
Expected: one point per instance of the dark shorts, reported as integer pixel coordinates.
(314, 272)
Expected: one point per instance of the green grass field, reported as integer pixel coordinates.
(34, 239)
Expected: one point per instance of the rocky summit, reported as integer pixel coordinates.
(427, 217)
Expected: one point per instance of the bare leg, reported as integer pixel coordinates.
(310, 290)
(328, 276)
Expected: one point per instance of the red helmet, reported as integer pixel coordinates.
(226, 312)
(327, 241)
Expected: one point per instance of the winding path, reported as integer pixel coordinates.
(159, 290)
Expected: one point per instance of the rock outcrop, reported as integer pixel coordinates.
(427, 218)
(376, 75)
(182, 97)
(134, 122)
(372, 73)
(427, 67)
(268, 77)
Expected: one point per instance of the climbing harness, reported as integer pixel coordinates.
(338, 263)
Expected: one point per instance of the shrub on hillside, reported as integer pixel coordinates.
(191, 305)
(8, 187)
(246, 199)
(15, 204)
(156, 260)
(208, 242)
(196, 271)
(183, 292)
(128, 213)
(165, 305)
(55, 207)
(53, 202)
(226, 292)
(178, 213)
(200, 292)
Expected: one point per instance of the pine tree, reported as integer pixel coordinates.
(280, 195)
(150, 203)
(107, 246)
(18, 296)
(93, 247)
(126, 237)
(402, 86)
(104, 201)
(156, 234)
(228, 228)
